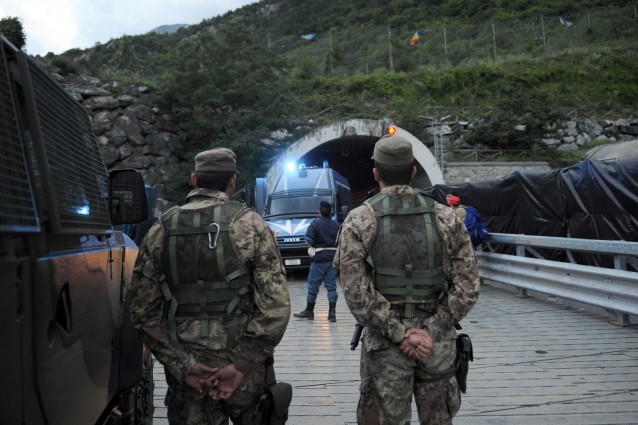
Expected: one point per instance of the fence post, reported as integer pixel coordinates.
(521, 292)
(543, 29)
(620, 262)
(447, 61)
(390, 49)
(494, 40)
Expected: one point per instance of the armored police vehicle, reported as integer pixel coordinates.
(293, 204)
(69, 353)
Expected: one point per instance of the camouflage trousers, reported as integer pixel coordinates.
(388, 381)
(185, 408)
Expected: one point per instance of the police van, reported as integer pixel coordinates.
(70, 355)
(293, 204)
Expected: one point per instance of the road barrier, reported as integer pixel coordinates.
(615, 290)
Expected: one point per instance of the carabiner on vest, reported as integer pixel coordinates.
(212, 245)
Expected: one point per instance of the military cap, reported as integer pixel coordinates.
(393, 150)
(218, 159)
(326, 205)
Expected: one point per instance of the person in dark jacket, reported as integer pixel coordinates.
(322, 236)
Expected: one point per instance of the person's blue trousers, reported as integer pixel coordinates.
(322, 272)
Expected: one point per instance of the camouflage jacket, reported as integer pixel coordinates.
(370, 308)
(255, 244)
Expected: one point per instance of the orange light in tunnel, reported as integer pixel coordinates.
(391, 130)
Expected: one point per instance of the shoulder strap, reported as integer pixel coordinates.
(270, 371)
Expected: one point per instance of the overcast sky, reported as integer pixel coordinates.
(59, 25)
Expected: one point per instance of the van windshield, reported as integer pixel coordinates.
(296, 205)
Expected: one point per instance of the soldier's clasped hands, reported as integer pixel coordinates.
(417, 343)
(198, 373)
(221, 384)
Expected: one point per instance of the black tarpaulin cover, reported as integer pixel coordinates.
(590, 200)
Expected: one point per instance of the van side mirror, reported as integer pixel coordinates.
(127, 197)
(246, 196)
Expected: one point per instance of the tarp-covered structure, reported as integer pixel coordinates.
(590, 200)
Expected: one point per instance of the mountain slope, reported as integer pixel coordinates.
(167, 29)
(234, 79)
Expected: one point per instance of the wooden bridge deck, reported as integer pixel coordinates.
(535, 362)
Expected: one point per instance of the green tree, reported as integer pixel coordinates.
(305, 69)
(125, 59)
(11, 28)
(226, 90)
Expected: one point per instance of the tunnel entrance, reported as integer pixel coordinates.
(350, 157)
(348, 147)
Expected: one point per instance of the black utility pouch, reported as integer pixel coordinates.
(281, 393)
(274, 404)
(464, 355)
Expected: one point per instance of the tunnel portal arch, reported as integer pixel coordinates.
(348, 146)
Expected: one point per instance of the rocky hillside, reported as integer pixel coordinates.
(132, 132)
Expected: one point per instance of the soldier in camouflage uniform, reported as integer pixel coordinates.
(408, 273)
(211, 298)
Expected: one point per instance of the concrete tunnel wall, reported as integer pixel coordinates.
(370, 130)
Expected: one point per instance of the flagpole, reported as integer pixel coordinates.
(570, 38)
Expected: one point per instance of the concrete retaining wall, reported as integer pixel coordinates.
(464, 172)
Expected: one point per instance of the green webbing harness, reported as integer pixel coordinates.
(416, 286)
(203, 299)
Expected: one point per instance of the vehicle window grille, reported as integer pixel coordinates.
(124, 185)
(78, 175)
(17, 206)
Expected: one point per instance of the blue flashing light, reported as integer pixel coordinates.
(83, 210)
(325, 164)
(290, 166)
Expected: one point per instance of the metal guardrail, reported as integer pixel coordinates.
(615, 290)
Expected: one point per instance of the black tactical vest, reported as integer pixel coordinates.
(407, 253)
(204, 279)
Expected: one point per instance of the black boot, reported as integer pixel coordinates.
(308, 313)
(332, 316)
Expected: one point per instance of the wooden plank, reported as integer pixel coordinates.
(571, 419)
